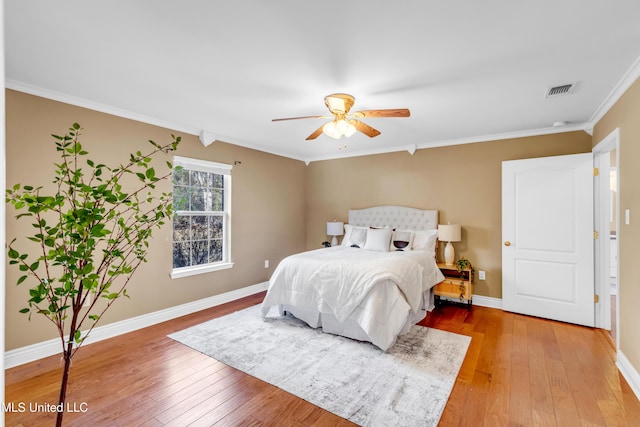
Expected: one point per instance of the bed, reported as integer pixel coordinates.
(373, 286)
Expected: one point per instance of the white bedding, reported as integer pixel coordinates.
(381, 292)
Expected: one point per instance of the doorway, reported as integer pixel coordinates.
(613, 244)
(607, 220)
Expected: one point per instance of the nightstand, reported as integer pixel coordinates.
(456, 285)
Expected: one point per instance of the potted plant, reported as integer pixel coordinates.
(462, 265)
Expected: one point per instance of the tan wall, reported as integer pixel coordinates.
(463, 182)
(267, 203)
(625, 114)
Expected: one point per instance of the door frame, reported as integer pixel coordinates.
(601, 250)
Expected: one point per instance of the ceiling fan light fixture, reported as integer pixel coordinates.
(331, 130)
(338, 128)
(344, 123)
(345, 128)
(350, 130)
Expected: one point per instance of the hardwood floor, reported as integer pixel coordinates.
(519, 371)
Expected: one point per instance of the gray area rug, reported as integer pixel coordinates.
(407, 386)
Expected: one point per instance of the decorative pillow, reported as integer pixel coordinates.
(425, 240)
(401, 240)
(378, 239)
(354, 236)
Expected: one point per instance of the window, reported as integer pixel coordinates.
(202, 216)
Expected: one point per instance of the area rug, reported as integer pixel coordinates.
(406, 386)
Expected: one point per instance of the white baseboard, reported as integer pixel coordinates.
(490, 302)
(628, 372)
(37, 351)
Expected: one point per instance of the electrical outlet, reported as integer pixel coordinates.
(266, 263)
(481, 275)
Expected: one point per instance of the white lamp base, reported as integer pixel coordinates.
(334, 241)
(449, 254)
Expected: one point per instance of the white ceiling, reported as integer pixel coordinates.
(468, 70)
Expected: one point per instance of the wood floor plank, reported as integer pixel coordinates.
(519, 370)
(541, 402)
(520, 403)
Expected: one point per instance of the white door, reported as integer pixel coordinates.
(547, 234)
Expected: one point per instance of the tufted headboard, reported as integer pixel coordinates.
(400, 217)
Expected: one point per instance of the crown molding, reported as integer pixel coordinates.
(126, 114)
(632, 74)
(619, 89)
(460, 141)
(96, 106)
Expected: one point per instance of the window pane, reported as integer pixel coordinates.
(217, 180)
(215, 227)
(180, 198)
(197, 199)
(181, 254)
(207, 198)
(199, 227)
(200, 179)
(181, 177)
(181, 230)
(218, 200)
(215, 250)
(199, 252)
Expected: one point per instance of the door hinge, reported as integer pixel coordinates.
(596, 235)
(596, 298)
(596, 171)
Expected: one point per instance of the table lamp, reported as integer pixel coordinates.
(449, 233)
(335, 228)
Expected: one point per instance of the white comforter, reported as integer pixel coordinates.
(337, 280)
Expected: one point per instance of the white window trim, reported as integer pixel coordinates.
(177, 273)
(221, 169)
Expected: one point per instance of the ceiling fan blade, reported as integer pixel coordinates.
(315, 134)
(396, 112)
(365, 128)
(302, 117)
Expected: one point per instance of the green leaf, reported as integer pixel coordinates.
(21, 279)
(25, 310)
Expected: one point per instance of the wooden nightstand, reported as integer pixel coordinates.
(455, 285)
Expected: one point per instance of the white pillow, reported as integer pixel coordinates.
(354, 235)
(401, 240)
(425, 240)
(378, 239)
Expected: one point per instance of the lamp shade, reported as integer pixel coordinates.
(335, 228)
(449, 232)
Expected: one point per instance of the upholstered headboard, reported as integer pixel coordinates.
(399, 217)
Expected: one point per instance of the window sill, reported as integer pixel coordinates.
(177, 273)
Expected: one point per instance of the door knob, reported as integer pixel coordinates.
(507, 243)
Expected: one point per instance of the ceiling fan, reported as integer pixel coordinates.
(345, 123)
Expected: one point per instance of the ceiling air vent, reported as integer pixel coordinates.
(560, 90)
